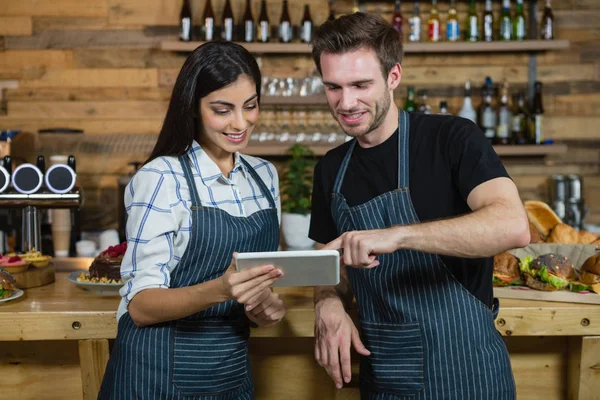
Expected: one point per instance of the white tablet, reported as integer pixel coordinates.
(300, 268)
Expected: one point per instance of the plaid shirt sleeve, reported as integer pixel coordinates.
(150, 229)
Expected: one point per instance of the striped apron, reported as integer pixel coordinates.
(429, 337)
(203, 356)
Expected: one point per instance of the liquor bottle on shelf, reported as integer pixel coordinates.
(410, 105)
(434, 23)
(472, 23)
(415, 24)
(423, 106)
(185, 22)
(467, 111)
(397, 18)
(307, 26)
(547, 23)
(487, 113)
(504, 117)
(331, 15)
(208, 24)
(536, 129)
(264, 27)
(444, 108)
(505, 21)
(488, 22)
(520, 118)
(518, 23)
(285, 24)
(249, 28)
(452, 24)
(228, 25)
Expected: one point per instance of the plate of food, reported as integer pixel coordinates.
(104, 275)
(8, 287)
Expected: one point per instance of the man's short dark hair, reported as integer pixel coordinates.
(354, 31)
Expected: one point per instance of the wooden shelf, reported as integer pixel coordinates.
(315, 100)
(503, 151)
(440, 47)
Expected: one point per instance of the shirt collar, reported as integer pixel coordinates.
(207, 169)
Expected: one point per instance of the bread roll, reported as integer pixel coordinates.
(586, 237)
(563, 234)
(534, 235)
(596, 242)
(541, 216)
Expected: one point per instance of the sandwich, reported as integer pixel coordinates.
(541, 216)
(7, 283)
(506, 270)
(589, 273)
(548, 272)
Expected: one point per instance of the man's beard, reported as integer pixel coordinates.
(382, 107)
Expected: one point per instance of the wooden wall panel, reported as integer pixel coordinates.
(95, 78)
(85, 109)
(16, 26)
(67, 8)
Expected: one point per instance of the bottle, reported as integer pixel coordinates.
(264, 27)
(355, 6)
(444, 108)
(488, 22)
(547, 30)
(307, 25)
(519, 121)
(410, 105)
(536, 129)
(504, 117)
(487, 114)
(415, 24)
(423, 106)
(331, 16)
(208, 27)
(452, 24)
(285, 24)
(185, 22)
(518, 23)
(249, 29)
(397, 18)
(467, 111)
(505, 21)
(434, 23)
(472, 23)
(228, 25)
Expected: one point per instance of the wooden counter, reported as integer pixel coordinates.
(63, 312)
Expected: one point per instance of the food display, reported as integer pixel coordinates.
(13, 263)
(106, 267)
(506, 270)
(36, 258)
(7, 284)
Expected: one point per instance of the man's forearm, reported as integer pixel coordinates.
(482, 233)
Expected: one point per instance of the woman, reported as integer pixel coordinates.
(183, 327)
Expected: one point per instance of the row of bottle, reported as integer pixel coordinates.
(501, 122)
(476, 28)
(249, 30)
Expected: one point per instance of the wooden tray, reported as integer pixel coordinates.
(520, 292)
(34, 277)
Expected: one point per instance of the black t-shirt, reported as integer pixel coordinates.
(449, 157)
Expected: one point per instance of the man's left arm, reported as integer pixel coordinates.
(498, 222)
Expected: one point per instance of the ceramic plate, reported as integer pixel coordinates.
(15, 295)
(92, 286)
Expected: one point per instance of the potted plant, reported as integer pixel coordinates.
(296, 190)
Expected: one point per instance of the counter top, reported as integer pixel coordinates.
(63, 311)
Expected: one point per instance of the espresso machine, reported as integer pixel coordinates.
(566, 199)
(31, 188)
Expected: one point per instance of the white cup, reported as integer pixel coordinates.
(109, 237)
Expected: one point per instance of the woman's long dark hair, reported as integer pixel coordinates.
(210, 67)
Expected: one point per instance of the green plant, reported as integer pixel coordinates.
(296, 181)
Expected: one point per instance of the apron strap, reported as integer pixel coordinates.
(403, 149)
(261, 184)
(189, 177)
(337, 187)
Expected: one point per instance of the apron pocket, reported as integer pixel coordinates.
(210, 356)
(396, 361)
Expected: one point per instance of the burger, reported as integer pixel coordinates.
(589, 274)
(506, 270)
(7, 283)
(548, 272)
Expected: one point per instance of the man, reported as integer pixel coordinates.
(421, 202)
